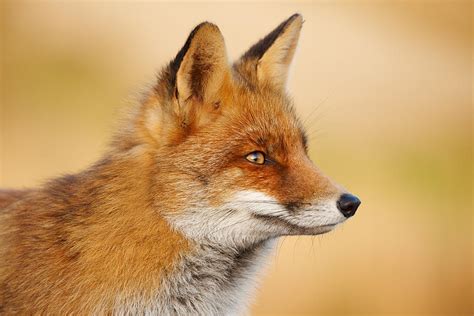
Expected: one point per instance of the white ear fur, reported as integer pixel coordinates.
(274, 65)
(267, 62)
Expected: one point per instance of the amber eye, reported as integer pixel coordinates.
(256, 157)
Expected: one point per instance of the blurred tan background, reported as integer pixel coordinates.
(386, 92)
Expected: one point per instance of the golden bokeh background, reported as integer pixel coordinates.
(385, 89)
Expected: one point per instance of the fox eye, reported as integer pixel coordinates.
(256, 157)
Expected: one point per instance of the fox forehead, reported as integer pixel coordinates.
(267, 119)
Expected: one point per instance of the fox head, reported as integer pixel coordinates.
(230, 161)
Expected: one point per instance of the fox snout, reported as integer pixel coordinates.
(324, 189)
(307, 185)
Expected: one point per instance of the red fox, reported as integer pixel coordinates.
(179, 214)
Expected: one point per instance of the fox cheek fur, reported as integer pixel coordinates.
(179, 214)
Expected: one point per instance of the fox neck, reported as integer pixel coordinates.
(212, 281)
(199, 276)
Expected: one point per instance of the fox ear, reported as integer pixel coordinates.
(268, 61)
(201, 65)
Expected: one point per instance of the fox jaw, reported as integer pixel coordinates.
(234, 168)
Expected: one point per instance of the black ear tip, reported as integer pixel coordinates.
(205, 24)
(294, 17)
(258, 49)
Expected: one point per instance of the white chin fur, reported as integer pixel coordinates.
(322, 213)
(237, 221)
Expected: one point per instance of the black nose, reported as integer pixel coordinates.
(348, 204)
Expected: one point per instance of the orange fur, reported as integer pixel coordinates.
(82, 241)
(57, 240)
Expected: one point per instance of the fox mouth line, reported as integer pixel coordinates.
(296, 229)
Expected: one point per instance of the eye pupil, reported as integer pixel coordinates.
(256, 157)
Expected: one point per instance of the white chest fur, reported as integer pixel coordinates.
(209, 281)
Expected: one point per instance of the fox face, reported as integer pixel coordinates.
(230, 153)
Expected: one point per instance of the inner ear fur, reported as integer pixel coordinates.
(190, 89)
(201, 66)
(267, 62)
